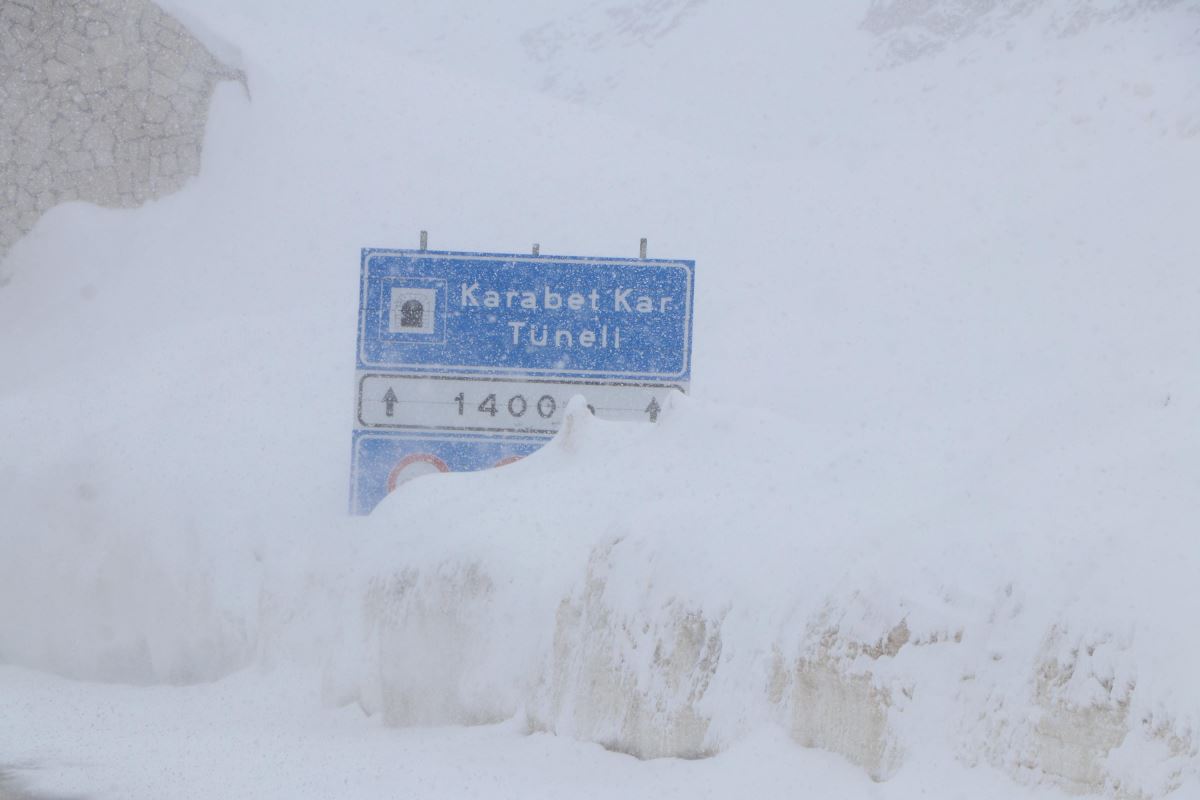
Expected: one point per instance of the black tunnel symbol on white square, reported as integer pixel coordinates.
(412, 309)
(412, 314)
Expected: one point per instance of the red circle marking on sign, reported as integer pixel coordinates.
(507, 460)
(396, 477)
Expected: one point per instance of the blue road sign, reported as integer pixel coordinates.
(383, 461)
(487, 313)
(479, 352)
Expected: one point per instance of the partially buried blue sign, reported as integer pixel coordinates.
(488, 347)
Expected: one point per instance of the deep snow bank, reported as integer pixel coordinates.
(666, 589)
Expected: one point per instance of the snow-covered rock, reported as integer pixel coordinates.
(672, 606)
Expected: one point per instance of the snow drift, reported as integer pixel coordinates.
(670, 606)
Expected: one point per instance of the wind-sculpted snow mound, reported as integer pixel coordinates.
(665, 590)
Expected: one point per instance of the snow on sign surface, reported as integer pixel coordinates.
(494, 345)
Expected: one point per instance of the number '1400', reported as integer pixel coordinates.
(517, 406)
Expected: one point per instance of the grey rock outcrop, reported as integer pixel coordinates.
(103, 101)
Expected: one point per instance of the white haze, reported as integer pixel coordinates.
(946, 350)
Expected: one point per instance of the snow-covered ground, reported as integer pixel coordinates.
(928, 518)
(250, 736)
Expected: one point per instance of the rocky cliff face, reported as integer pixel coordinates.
(103, 101)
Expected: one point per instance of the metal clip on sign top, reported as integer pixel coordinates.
(537, 248)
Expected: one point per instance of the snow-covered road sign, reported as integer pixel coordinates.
(495, 405)
(490, 346)
(424, 311)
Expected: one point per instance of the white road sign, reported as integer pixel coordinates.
(437, 403)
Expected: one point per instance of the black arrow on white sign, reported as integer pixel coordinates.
(389, 401)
